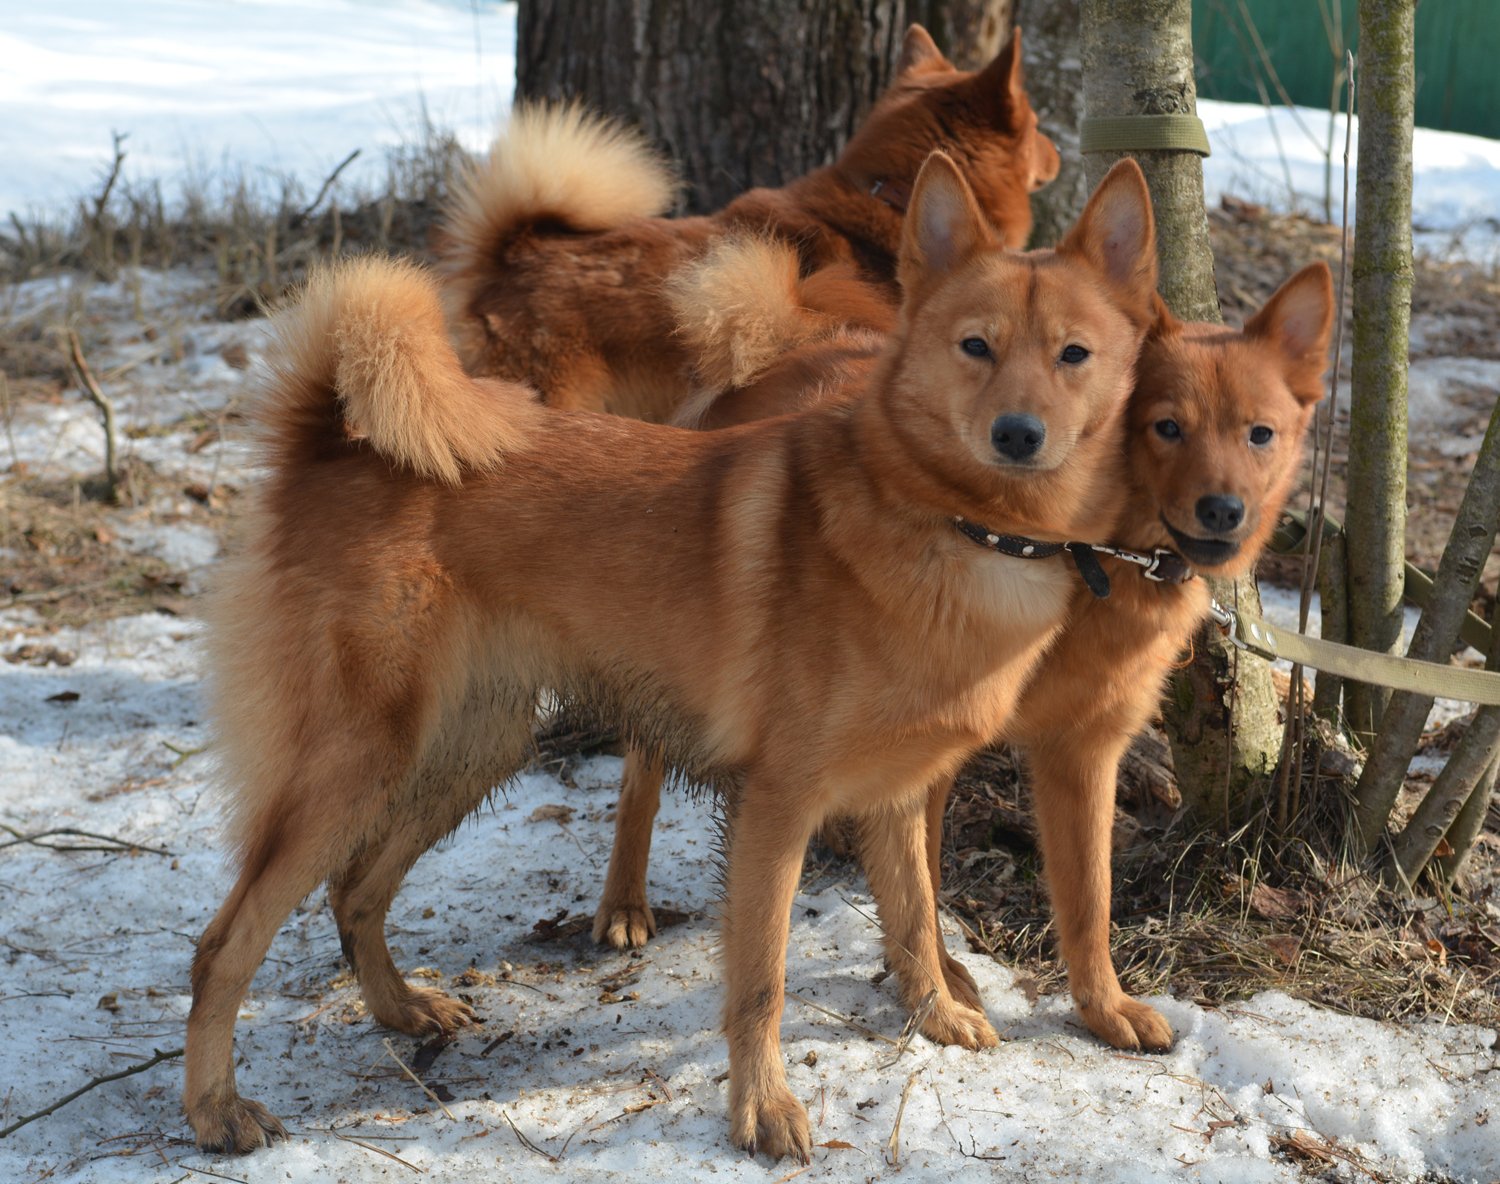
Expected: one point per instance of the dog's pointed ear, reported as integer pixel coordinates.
(919, 49)
(1003, 82)
(1117, 234)
(944, 225)
(1299, 320)
(1163, 323)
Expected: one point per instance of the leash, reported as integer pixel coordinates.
(1290, 538)
(1253, 634)
(1387, 670)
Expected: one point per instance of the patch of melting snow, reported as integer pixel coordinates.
(1436, 386)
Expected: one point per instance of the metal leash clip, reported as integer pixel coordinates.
(1227, 622)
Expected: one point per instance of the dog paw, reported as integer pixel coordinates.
(961, 984)
(952, 1022)
(1129, 1024)
(774, 1123)
(626, 926)
(234, 1126)
(426, 1012)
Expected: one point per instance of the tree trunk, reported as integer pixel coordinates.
(1375, 520)
(739, 95)
(1221, 713)
(1401, 724)
(1054, 79)
(969, 32)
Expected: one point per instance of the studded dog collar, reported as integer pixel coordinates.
(1161, 566)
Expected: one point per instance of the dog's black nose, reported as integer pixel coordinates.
(1018, 436)
(1220, 513)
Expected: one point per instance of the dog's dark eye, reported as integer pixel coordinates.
(975, 347)
(1167, 429)
(1073, 354)
(1260, 434)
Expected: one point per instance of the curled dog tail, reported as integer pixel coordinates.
(743, 306)
(367, 342)
(562, 165)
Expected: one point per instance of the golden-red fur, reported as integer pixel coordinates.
(555, 259)
(1100, 682)
(784, 609)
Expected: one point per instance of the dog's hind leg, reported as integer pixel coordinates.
(624, 918)
(475, 753)
(894, 849)
(961, 984)
(285, 861)
(361, 896)
(1073, 785)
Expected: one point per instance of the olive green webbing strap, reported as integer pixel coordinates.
(1387, 670)
(1143, 133)
(1416, 589)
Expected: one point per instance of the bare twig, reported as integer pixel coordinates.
(524, 1141)
(378, 1151)
(183, 753)
(1294, 739)
(422, 1085)
(106, 410)
(215, 1175)
(893, 1144)
(322, 192)
(102, 200)
(115, 844)
(855, 1024)
(51, 594)
(157, 1059)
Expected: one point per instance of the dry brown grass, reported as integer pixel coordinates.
(64, 560)
(259, 236)
(1216, 920)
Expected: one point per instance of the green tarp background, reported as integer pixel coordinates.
(1458, 55)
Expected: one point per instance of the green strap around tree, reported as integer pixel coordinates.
(1143, 133)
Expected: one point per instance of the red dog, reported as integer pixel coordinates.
(1215, 429)
(785, 610)
(555, 258)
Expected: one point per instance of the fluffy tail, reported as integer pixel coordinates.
(560, 164)
(370, 333)
(743, 306)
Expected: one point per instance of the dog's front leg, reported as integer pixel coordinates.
(1073, 784)
(896, 857)
(767, 841)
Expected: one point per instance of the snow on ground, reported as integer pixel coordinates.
(270, 87)
(611, 1062)
(1280, 156)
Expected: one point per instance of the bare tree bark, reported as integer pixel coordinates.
(1467, 825)
(1376, 516)
(1445, 811)
(745, 94)
(1221, 714)
(969, 32)
(1054, 79)
(1401, 724)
